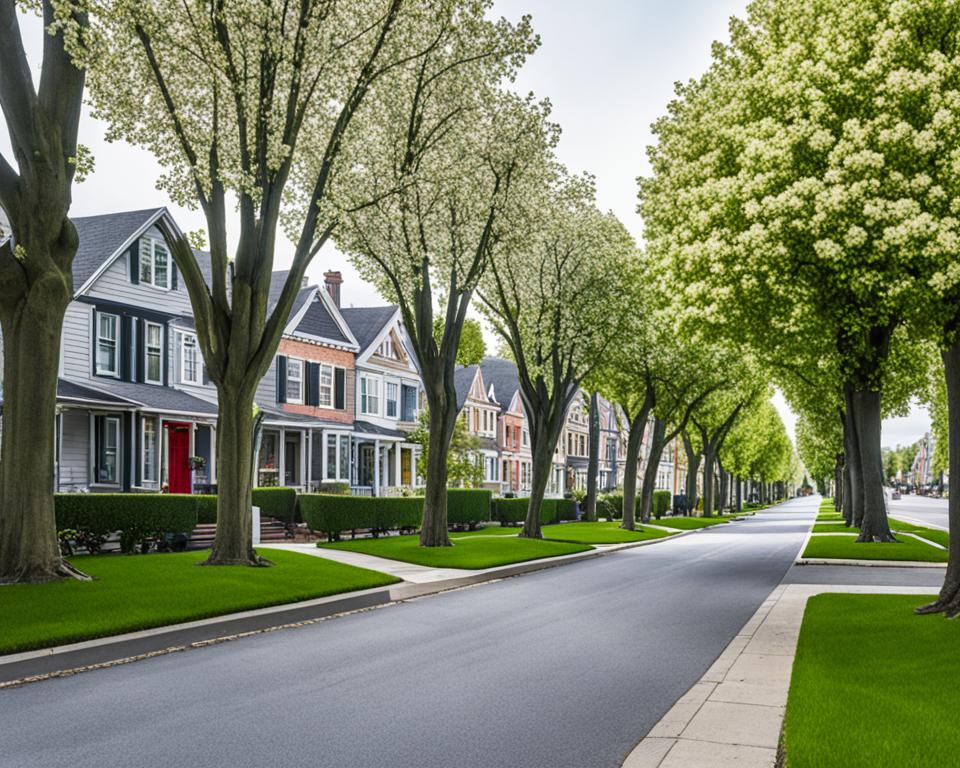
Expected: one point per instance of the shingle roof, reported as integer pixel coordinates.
(501, 374)
(101, 236)
(162, 398)
(317, 321)
(71, 390)
(463, 380)
(366, 427)
(367, 322)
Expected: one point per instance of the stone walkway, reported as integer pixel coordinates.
(734, 714)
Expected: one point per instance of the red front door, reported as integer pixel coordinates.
(178, 455)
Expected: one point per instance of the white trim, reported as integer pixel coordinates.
(152, 243)
(198, 381)
(299, 400)
(147, 346)
(321, 293)
(115, 373)
(156, 450)
(365, 355)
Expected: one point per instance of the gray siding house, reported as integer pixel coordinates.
(135, 408)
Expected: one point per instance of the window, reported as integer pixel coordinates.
(107, 359)
(526, 437)
(190, 365)
(154, 263)
(393, 394)
(153, 353)
(386, 349)
(369, 395)
(295, 381)
(331, 457)
(325, 398)
(107, 449)
(149, 450)
(344, 457)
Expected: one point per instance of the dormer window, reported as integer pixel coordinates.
(154, 263)
(387, 349)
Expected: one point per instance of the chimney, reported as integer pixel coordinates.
(333, 280)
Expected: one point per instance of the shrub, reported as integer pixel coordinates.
(468, 506)
(331, 514)
(661, 503)
(206, 508)
(610, 506)
(509, 511)
(138, 518)
(566, 509)
(278, 502)
(339, 489)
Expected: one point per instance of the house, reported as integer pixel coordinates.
(513, 434)
(480, 411)
(387, 402)
(573, 450)
(135, 407)
(307, 395)
(613, 446)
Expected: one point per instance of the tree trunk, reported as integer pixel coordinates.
(233, 544)
(709, 460)
(650, 471)
(853, 511)
(434, 528)
(693, 465)
(948, 601)
(874, 526)
(838, 489)
(593, 462)
(724, 489)
(29, 546)
(739, 492)
(542, 461)
(634, 438)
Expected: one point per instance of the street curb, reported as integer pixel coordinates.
(876, 563)
(58, 661)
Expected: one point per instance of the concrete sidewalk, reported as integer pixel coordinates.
(733, 716)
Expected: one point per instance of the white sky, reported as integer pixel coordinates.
(608, 67)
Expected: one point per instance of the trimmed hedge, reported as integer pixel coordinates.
(206, 508)
(661, 503)
(331, 513)
(137, 517)
(278, 502)
(509, 511)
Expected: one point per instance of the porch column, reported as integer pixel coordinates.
(323, 455)
(308, 458)
(282, 458)
(213, 456)
(396, 464)
(376, 467)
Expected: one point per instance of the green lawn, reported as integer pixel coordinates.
(847, 548)
(133, 592)
(490, 530)
(869, 658)
(940, 537)
(471, 552)
(600, 533)
(832, 527)
(689, 523)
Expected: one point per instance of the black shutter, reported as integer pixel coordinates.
(281, 379)
(174, 279)
(165, 355)
(339, 388)
(97, 446)
(93, 342)
(206, 374)
(135, 262)
(138, 451)
(123, 450)
(124, 342)
(141, 351)
(313, 383)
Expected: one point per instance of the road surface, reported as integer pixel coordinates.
(919, 509)
(564, 667)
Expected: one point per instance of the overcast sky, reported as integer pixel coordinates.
(608, 67)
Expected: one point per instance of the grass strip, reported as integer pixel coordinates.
(600, 533)
(848, 548)
(690, 523)
(469, 552)
(134, 592)
(870, 656)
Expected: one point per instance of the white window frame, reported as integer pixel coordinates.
(325, 391)
(366, 395)
(149, 349)
(154, 466)
(115, 341)
(148, 250)
(198, 364)
(113, 424)
(386, 349)
(396, 399)
(293, 362)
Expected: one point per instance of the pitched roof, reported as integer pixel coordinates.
(366, 322)
(151, 396)
(501, 374)
(72, 391)
(463, 379)
(101, 237)
(317, 321)
(278, 279)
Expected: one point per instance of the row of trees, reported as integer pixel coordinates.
(386, 126)
(803, 197)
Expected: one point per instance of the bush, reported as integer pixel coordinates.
(661, 503)
(468, 506)
(509, 511)
(610, 506)
(206, 508)
(137, 518)
(339, 489)
(278, 502)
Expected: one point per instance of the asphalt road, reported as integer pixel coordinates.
(564, 667)
(919, 509)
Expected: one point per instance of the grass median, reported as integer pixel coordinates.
(134, 592)
(848, 548)
(868, 657)
(690, 523)
(471, 552)
(601, 533)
